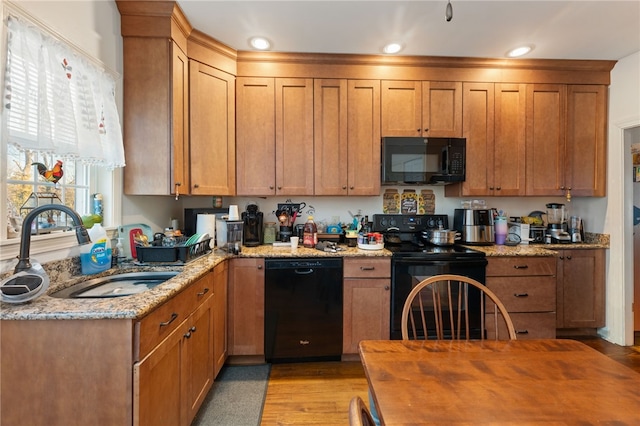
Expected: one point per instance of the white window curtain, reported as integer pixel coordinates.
(58, 102)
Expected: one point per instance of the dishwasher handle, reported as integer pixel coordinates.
(304, 271)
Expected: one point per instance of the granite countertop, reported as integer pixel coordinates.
(66, 273)
(63, 274)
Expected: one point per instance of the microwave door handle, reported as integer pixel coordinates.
(444, 159)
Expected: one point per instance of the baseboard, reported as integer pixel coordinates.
(576, 332)
(245, 360)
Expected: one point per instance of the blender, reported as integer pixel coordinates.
(557, 223)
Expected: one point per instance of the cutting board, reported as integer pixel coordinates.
(128, 232)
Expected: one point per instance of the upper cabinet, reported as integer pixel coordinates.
(566, 140)
(421, 108)
(212, 131)
(274, 136)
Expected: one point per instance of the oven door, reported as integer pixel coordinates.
(406, 272)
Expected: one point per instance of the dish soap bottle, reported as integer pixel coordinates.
(310, 233)
(96, 256)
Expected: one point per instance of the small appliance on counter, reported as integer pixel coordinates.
(475, 225)
(576, 229)
(557, 224)
(252, 219)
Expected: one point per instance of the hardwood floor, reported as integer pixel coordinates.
(319, 393)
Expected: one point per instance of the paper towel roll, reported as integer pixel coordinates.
(206, 224)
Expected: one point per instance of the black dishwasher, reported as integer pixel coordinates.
(303, 309)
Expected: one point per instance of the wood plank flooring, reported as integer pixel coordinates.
(319, 393)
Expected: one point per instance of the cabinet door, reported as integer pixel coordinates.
(586, 146)
(545, 135)
(330, 137)
(294, 136)
(197, 358)
(581, 278)
(509, 140)
(212, 132)
(155, 120)
(442, 108)
(255, 136)
(363, 134)
(366, 313)
(156, 384)
(478, 129)
(246, 307)
(401, 106)
(220, 293)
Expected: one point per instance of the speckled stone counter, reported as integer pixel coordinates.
(592, 241)
(65, 273)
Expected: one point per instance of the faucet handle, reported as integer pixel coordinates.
(82, 235)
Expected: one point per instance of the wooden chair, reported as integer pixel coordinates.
(438, 308)
(359, 414)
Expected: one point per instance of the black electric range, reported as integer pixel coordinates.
(414, 259)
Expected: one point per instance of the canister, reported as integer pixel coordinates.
(269, 236)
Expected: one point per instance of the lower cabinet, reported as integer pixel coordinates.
(527, 288)
(581, 288)
(172, 380)
(367, 301)
(220, 294)
(246, 307)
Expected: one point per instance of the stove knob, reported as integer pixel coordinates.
(431, 223)
(383, 222)
(393, 223)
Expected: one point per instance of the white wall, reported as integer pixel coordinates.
(624, 113)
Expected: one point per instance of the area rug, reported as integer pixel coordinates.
(236, 398)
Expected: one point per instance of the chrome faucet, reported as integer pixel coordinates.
(25, 242)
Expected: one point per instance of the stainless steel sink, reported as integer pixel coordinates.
(119, 285)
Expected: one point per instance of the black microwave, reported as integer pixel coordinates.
(426, 161)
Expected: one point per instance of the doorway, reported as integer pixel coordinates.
(634, 141)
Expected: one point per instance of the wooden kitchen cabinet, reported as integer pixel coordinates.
(581, 288)
(421, 108)
(155, 116)
(171, 382)
(494, 126)
(367, 301)
(274, 131)
(246, 307)
(346, 137)
(212, 159)
(220, 311)
(526, 285)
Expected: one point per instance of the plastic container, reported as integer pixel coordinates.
(310, 233)
(95, 257)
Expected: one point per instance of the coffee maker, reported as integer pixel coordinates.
(475, 225)
(252, 218)
(557, 224)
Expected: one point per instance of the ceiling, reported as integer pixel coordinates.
(607, 30)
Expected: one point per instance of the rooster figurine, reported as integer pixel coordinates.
(53, 175)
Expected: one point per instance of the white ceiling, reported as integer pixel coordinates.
(482, 29)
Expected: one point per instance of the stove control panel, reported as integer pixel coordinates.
(409, 223)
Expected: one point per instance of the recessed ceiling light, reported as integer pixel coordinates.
(260, 43)
(392, 48)
(520, 51)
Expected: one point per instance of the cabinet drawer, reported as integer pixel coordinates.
(521, 266)
(362, 267)
(539, 325)
(156, 326)
(524, 294)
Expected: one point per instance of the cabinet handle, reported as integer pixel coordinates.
(521, 266)
(172, 319)
(522, 331)
(344, 187)
(270, 186)
(426, 130)
(204, 291)
(418, 130)
(351, 187)
(188, 333)
(386, 287)
(195, 185)
(259, 266)
(521, 294)
(367, 268)
(177, 190)
(569, 257)
(491, 188)
(498, 188)
(279, 188)
(561, 257)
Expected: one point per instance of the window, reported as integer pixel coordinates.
(58, 106)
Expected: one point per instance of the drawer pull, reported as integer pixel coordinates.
(520, 266)
(204, 291)
(522, 331)
(172, 319)
(521, 294)
(367, 268)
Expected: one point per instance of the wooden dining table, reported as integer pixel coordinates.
(549, 381)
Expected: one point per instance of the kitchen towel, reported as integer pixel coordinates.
(206, 224)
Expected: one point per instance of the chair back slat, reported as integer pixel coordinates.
(447, 316)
